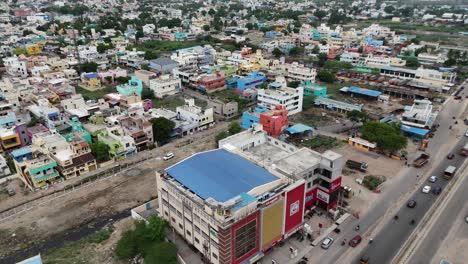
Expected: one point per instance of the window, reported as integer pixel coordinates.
(181, 226)
(215, 256)
(315, 182)
(197, 241)
(245, 239)
(173, 219)
(188, 233)
(309, 185)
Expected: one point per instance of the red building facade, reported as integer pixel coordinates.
(274, 121)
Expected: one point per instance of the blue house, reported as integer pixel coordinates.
(21, 154)
(270, 34)
(311, 88)
(252, 80)
(251, 117)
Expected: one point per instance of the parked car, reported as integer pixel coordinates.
(433, 178)
(168, 156)
(437, 190)
(411, 203)
(355, 241)
(466, 219)
(426, 189)
(450, 156)
(327, 242)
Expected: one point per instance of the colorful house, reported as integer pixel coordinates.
(35, 169)
(73, 128)
(134, 85)
(33, 49)
(314, 89)
(249, 118)
(252, 80)
(91, 81)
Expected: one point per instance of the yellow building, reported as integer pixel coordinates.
(9, 139)
(33, 49)
(91, 81)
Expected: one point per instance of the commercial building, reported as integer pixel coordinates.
(252, 80)
(164, 86)
(210, 83)
(230, 209)
(419, 115)
(297, 72)
(163, 65)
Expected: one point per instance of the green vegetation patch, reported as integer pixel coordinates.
(322, 143)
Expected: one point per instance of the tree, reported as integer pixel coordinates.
(126, 246)
(277, 52)
(100, 151)
(145, 67)
(162, 129)
(211, 12)
(320, 14)
(386, 136)
(156, 228)
(88, 67)
(412, 62)
(221, 135)
(322, 58)
(316, 49)
(296, 51)
(234, 128)
(357, 116)
(249, 26)
(108, 79)
(27, 32)
(389, 9)
(147, 93)
(206, 28)
(162, 253)
(308, 101)
(326, 76)
(122, 79)
(294, 84)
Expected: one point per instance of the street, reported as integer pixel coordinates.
(449, 233)
(393, 195)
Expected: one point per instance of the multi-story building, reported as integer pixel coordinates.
(33, 49)
(4, 169)
(16, 67)
(224, 109)
(138, 128)
(195, 56)
(164, 86)
(119, 144)
(420, 114)
(289, 98)
(189, 111)
(274, 121)
(35, 169)
(210, 83)
(252, 80)
(163, 65)
(297, 72)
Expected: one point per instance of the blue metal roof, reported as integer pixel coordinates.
(20, 152)
(91, 75)
(219, 174)
(298, 128)
(34, 260)
(414, 130)
(362, 91)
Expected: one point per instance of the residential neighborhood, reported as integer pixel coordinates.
(233, 131)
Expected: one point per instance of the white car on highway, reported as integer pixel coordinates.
(426, 189)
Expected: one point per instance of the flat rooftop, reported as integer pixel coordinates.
(266, 154)
(219, 174)
(299, 161)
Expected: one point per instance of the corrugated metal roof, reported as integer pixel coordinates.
(219, 174)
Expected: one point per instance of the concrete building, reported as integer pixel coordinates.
(223, 109)
(165, 85)
(163, 65)
(134, 86)
(189, 111)
(274, 121)
(35, 169)
(210, 83)
(195, 56)
(420, 114)
(230, 209)
(145, 76)
(252, 80)
(4, 169)
(297, 72)
(289, 98)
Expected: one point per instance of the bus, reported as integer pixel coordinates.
(450, 172)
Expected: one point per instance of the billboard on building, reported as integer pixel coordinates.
(294, 209)
(311, 198)
(272, 223)
(323, 196)
(335, 185)
(245, 238)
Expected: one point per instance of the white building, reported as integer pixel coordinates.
(299, 72)
(88, 53)
(428, 58)
(289, 98)
(16, 67)
(350, 57)
(189, 111)
(419, 114)
(165, 85)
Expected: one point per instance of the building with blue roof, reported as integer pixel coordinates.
(252, 80)
(219, 174)
(134, 86)
(32, 260)
(414, 131)
(361, 92)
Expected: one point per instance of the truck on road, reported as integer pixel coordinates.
(421, 160)
(356, 165)
(464, 150)
(450, 172)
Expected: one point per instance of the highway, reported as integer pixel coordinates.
(394, 234)
(450, 220)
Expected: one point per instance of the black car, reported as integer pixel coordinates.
(437, 190)
(450, 156)
(411, 203)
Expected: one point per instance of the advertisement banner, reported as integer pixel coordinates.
(323, 196)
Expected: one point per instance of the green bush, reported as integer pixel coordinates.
(372, 182)
(127, 246)
(162, 253)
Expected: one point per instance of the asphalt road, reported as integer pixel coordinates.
(389, 240)
(392, 191)
(452, 214)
